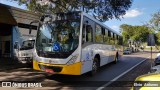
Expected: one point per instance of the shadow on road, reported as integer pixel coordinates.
(105, 74)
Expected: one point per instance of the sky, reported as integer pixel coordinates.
(13, 3)
(140, 12)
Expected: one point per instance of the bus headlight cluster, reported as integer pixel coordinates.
(72, 60)
(39, 59)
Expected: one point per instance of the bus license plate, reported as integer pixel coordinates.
(49, 71)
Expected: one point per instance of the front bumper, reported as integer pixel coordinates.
(25, 59)
(73, 69)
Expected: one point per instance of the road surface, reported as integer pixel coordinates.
(105, 75)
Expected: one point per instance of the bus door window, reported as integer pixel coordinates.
(84, 34)
(87, 33)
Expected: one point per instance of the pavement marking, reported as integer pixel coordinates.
(105, 85)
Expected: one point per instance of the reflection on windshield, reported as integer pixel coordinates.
(58, 37)
(29, 44)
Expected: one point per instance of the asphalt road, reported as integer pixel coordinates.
(85, 82)
(105, 75)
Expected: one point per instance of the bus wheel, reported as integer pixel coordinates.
(95, 67)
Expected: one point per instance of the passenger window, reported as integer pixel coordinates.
(99, 35)
(112, 38)
(109, 33)
(106, 37)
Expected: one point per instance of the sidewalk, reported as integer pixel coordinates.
(13, 68)
(9, 64)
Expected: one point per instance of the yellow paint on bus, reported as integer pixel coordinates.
(73, 69)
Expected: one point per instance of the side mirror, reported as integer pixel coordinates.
(16, 45)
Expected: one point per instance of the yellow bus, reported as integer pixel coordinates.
(74, 43)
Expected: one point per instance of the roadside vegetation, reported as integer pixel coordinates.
(100, 9)
(140, 33)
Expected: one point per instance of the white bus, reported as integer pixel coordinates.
(75, 43)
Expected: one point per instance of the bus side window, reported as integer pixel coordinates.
(89, 33)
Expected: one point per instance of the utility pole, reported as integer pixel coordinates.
(151, 42)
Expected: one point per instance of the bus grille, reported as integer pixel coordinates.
(54, 68)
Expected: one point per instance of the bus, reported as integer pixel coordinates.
(74, 43)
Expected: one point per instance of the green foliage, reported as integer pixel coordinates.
(100, 9)
(154, 23)
(135, 33)
(141, 32)
(157, 38)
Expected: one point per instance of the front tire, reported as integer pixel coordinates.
(95, 67)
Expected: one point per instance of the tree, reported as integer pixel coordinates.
(154, 22)
(127, 32)
(100, 9)
(135, 33)
(157, 38)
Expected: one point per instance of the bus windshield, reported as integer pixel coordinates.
(28, 44)
(58, 39)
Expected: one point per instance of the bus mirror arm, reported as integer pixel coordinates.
(16, 46)
(30, 28)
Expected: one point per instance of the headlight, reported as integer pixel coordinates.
(72, 60)
(39, 59)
